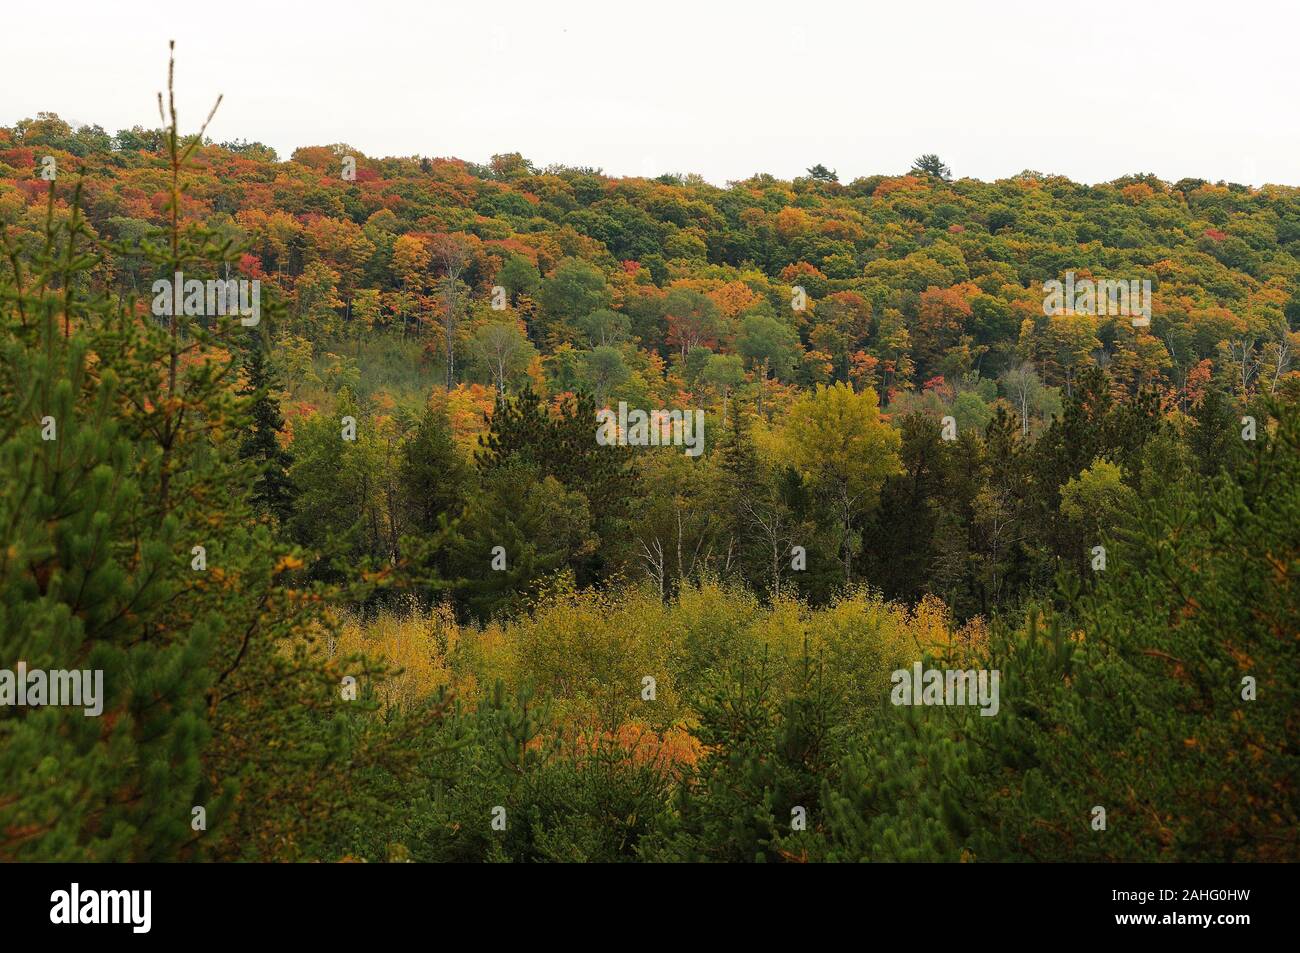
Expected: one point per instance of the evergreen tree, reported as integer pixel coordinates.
(433, 475)
(520, 530)
(900, 534)
(1214, 440)
(930, 164)
(563, 445)
(131, 549)
(765, 514)
(434, 483)
(757, 795)
(273, 491)
(95, 563)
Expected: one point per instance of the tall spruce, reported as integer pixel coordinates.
(273, 491)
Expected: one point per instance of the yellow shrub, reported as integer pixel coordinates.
(415, 642)
(932, 630)
(586, 654)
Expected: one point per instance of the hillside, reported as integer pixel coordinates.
(404, 506)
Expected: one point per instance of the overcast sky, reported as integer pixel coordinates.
(725, 89)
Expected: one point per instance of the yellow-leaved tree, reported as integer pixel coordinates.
(836, 440)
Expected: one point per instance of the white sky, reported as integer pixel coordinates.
(1089, 90)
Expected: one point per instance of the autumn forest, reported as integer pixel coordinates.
(519, 513)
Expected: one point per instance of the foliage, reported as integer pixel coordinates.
(632, 652)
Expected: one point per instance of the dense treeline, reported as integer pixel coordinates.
(570, 651)
(909, 277)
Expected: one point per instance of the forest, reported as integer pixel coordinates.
(364, 583)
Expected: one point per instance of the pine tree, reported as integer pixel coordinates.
(433, 475)
(521, 530)
(563, 446)
(901, 532)
(760, 513)
(1214, 440)
(129, 547)
(89, 566)
(273, 491)
(756, 796)
(434, 484)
